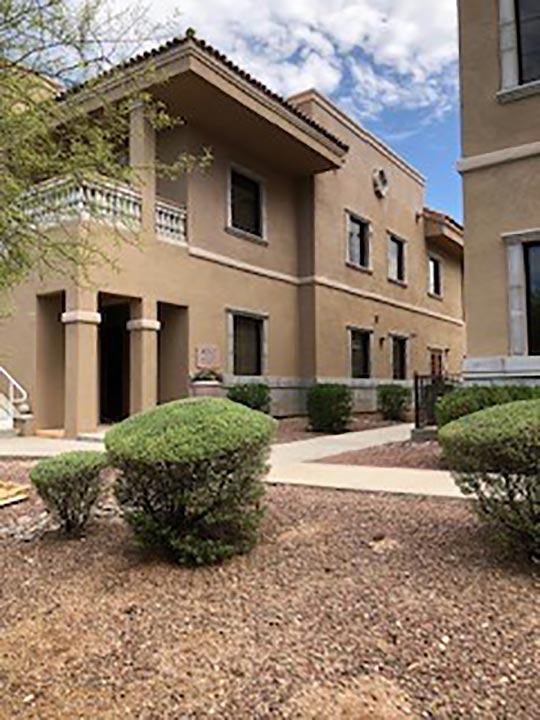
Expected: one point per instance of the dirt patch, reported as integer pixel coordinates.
(424, 456)
(296, 428)
(352, 606)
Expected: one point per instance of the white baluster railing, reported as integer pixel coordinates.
(15, 396)
(57, 201)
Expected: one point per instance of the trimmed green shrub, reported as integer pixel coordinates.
(190, 477)
(494, 455)
(69, 485)
(478, 397)
(329, 407)
(255, 396)
(393, 401)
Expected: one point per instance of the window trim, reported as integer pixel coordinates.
(391, 236)
(370, 333)
(400, 336)
(511, 86)
(519, 48)
(239, 232)
(437, 258)
(350, 215)
(256, 315)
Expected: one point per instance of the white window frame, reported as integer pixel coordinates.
(362, 329)
(350, 215)
(511, 86)
(262, 238)
(437, 258)
(256, 315)
(390, 237)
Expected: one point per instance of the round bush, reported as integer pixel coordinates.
(471, 399)
(69, 485)
(253, 395)
(393, 401)
(329, 407)
(495, 456)
(190, 476)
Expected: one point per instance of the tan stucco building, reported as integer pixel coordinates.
(500, 82)
(303, 253)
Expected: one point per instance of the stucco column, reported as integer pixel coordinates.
(81, 320)
(142, 158)
(143, 328)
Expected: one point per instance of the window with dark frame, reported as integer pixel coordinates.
(248, 333)
(358, 249)
(360, 353)
(435, 279)
(246, 204)
(532, 278)
(436, 363)
(528, 34)
(399, 358)
(396, 259)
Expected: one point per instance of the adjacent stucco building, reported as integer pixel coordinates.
(303, 253)
(500, 85)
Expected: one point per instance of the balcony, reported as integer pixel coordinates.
(56, 202)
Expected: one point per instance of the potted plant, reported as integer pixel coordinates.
(207, 383)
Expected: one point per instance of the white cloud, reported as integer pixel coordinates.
(370, 55)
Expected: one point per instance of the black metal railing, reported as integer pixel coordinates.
(427, 390)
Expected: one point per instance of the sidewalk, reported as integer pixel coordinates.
(293, 463)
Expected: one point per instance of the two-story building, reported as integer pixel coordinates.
(500, 85)
(304, 253)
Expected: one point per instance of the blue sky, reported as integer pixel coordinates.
(392, 64)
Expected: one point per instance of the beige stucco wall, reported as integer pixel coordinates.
(298, 278)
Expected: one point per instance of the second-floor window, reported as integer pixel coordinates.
(360, 353)
(246, 204)
(435, 277)
(528, 31)
(396, 259)
(358, 247)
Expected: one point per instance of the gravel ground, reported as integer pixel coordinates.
(295, 428)
(424, 455)
(353, 606)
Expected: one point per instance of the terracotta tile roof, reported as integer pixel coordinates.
(184, 39)
(444, 218)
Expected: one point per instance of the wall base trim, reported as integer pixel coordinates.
(502, 368)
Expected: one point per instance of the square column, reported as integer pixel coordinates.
(81, 320)
(143, 329)
(142, 159)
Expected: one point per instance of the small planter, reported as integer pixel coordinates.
(206, 388)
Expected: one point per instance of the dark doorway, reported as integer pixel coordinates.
(114, 362)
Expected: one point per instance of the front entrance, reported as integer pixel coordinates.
(113, 360)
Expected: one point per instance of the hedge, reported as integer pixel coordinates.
(69, 485)
(329, 407)
(479, 397)
(190, 476)
(393, 401)
(495, 456)
(253, 395)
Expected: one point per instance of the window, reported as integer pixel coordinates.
(246, 204)
(358, 242)
(248, 338)
(436, 363)
(399, 358)
(532, 276)
(528, 32)
(396, 259)
(435, 277)
(360, 353)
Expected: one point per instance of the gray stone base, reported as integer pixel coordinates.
(512, 369)
(289, 395)
(426, 434)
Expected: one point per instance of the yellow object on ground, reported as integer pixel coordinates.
(11, 493)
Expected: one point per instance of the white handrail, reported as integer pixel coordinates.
(17, 395)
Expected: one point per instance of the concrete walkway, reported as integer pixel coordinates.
(294, 463)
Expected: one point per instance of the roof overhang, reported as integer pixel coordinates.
(443, 231)
(198, 84)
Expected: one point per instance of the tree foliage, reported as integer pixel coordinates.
(47, 47)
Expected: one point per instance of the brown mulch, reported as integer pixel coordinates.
(296, 428)
(353, 606)
(408, 454)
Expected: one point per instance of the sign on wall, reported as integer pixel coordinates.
(207, 357)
